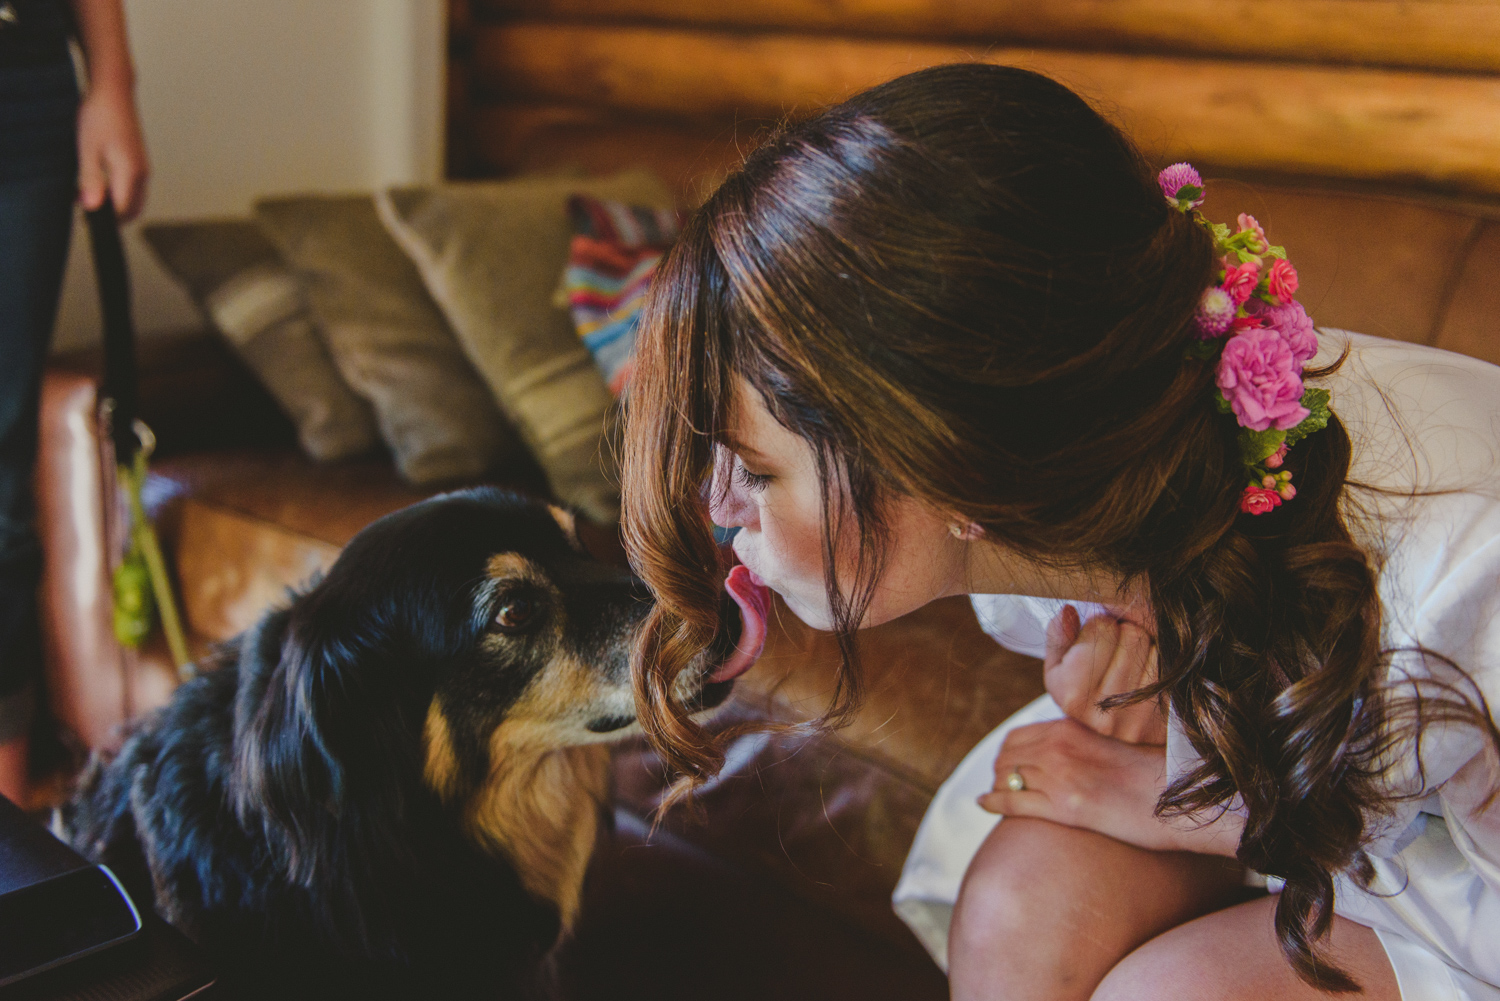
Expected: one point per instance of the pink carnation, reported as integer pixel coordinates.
(1215, 313)
(1259, 244)
(1258, 500)
(1281, 283)
(1262, 380)
(1240, 282)
(1177, 177)
(1294, 325)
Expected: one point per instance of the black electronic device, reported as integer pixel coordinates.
(67, 917)
(54, 905)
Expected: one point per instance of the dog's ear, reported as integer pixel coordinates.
(326, 768)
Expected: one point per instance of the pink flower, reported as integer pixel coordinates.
(1259, 500)
(1240, 282)
(1215, 313)
(1276, 458)
(1262, 380)
(1258, 243)
(1293, 324)
(1287, 491)
(1281, 283)
(1177, 177)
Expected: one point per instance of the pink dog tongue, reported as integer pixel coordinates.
(754, 599)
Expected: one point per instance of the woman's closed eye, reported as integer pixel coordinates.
(755, 482)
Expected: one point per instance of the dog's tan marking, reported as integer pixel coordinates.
(509, 566)
(439, 763)
(540, 803)
(567, 522)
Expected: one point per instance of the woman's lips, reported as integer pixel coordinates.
(752, 596)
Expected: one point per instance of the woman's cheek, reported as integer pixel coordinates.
(791, 554)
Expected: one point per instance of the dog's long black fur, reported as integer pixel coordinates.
(277, 809)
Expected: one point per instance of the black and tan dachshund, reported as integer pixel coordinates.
(393, 786)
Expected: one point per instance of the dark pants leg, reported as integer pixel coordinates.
(35, 223)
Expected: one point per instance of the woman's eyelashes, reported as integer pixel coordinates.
(755, 482)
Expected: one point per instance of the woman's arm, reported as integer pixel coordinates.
(1076, 776)
(111, 151)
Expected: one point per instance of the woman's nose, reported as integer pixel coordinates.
(727, 508)
(727, 504)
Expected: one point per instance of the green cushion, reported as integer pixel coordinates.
(491, 254)
(388, 339)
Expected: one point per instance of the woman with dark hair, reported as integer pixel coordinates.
(949, 337)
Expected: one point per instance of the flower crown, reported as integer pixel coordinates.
(1260, 338)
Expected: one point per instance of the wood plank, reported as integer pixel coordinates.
(1334, 122)
(692, 157)
(1437, 34)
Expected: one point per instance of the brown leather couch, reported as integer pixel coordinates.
(779, 887)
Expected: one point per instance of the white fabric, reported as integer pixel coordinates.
(1420, 419)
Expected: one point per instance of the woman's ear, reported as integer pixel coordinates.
(965, 531)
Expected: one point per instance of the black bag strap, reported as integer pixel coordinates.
(120, 376)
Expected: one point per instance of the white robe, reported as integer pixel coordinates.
(1418, 418)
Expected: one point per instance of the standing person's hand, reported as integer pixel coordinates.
(1086, 662)
(111, 150)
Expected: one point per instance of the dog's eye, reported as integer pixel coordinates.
(516, 614)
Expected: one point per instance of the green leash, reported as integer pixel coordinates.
(141, 588)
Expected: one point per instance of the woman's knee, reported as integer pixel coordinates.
(1149, 974)
(1008, 884)
(1059, 906)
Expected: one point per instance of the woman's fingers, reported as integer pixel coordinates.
(1020, 741)
(1094, 660)
(111, 154)
(1129, 664)
(1022, 754)
(1026, 803)
(92, 180)
(127, 183)
(1072, 775)
(1073, 679)
(1062, 632)
(1133, 666)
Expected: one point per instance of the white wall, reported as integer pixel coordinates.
(240, 99)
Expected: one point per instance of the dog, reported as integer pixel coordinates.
(393, 785)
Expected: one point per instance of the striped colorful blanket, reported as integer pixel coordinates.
(615, 250)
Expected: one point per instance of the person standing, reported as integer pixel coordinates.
(56, 147)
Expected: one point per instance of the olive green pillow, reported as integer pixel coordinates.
(387, 337)
(491, 254)
(236, 277)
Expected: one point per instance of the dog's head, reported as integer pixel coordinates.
(464, 651)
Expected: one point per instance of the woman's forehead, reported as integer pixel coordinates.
(751, 431)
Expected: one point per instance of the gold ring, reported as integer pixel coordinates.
(1014, 782)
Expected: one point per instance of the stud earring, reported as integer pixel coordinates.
(965, 533)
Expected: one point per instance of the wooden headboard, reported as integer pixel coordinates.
(1398, 92)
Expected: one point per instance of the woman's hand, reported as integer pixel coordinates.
(111, 151)
(1072, 775)
(1086, 662)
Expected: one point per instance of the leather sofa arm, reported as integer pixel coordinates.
(194, 393)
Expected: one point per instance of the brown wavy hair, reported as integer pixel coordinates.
(965, 286)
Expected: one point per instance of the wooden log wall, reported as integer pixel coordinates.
(1397, 91)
